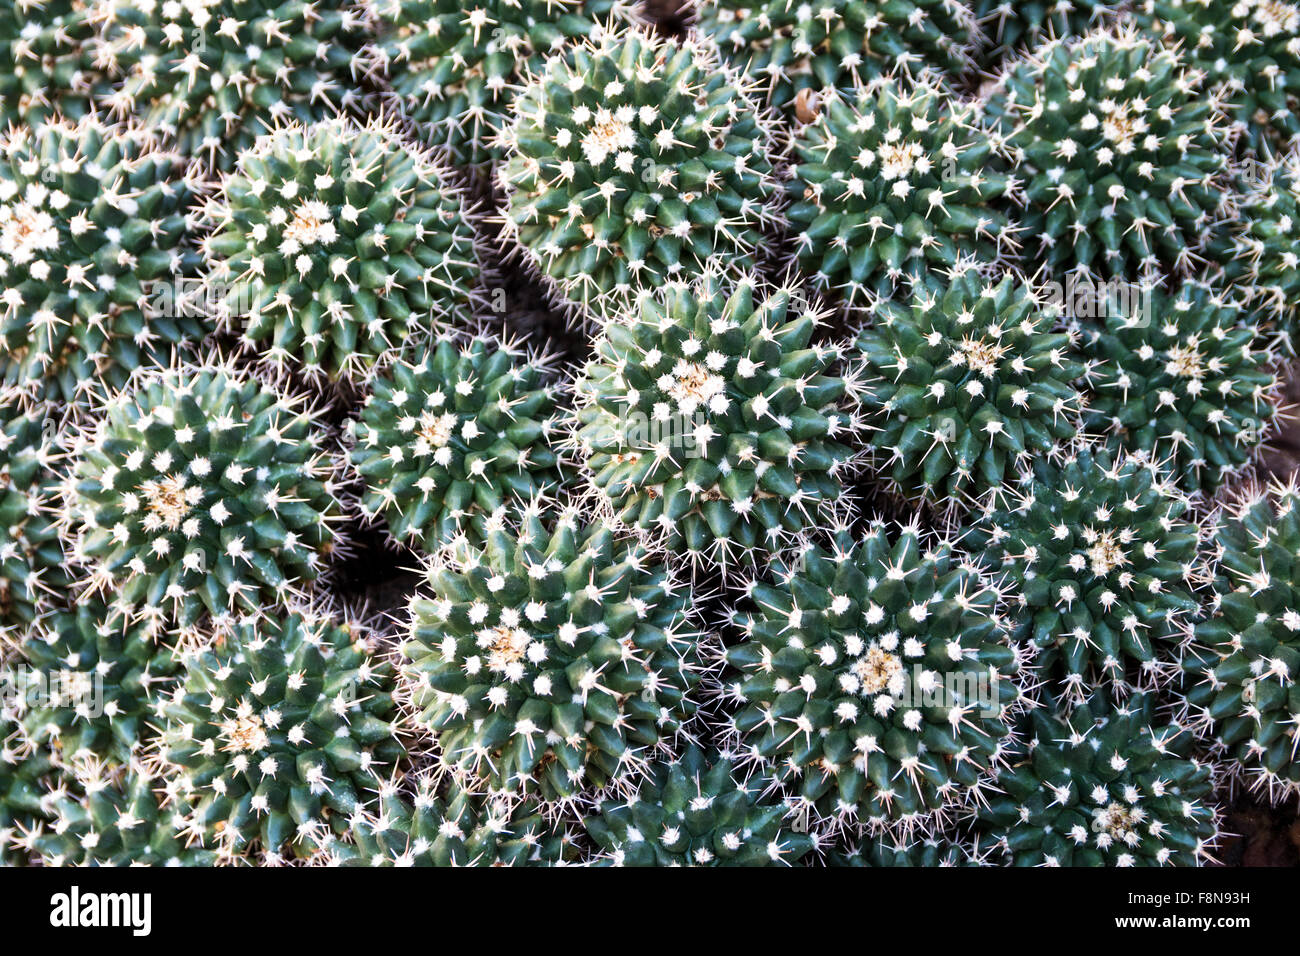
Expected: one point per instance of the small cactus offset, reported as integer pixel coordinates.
(96, 253)
(275, 734)
(198, 491)
(1185, 380)
(694, 812)
(895, 180)
(633, 161)
(1241, 670)
(876, 680)
(1110, 785)
(1103, 558)
(1122, 152)
(443, 445)
(32, 568)
(454, 69)
(335, 245)
(964, 388)
(710, 421)
(789, 46)
(555, 658)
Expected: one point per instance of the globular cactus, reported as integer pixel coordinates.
(46, 61)
(1123, 154)
(1248, 48)
(1241, 686)
(875, 678)
(554, 659)
(198, 490)
(96, 256)
(895, 180)
(633, 160)
(711, 421)
(106, 817)
(453, 829)
(1100, 553)
(276, 732)
(215, 74)
(1110, 785)
(964, 388)
(694, 811)
(334, 245)
(31, 555)
(455, 71)
(446, 443)
(1186, 380)
(789, 46)
(93, 684)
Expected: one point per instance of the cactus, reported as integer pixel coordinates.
(334, 245)
(199, 491)
(110, 819)
(1123, 154)
(215, 74)
(276, 732)
(458, 829)
(25, 770)
(95, 242)
(1111, 785)
(1183, 379)
(692, 811)
(631, 161)
(31, 555)
(1009, 26)
(713, 423)
(454, 71)
(895, 179)
(960, 849)
(1240, 675)
(876, 678)
(552, 659)
(1266, 245)
(1103, 560)
(99, 684)
(966, 386)
(790, 46)
(1248, 48)
(445, 443)
(46, 66)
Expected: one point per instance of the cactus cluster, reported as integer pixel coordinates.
(583, 432)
